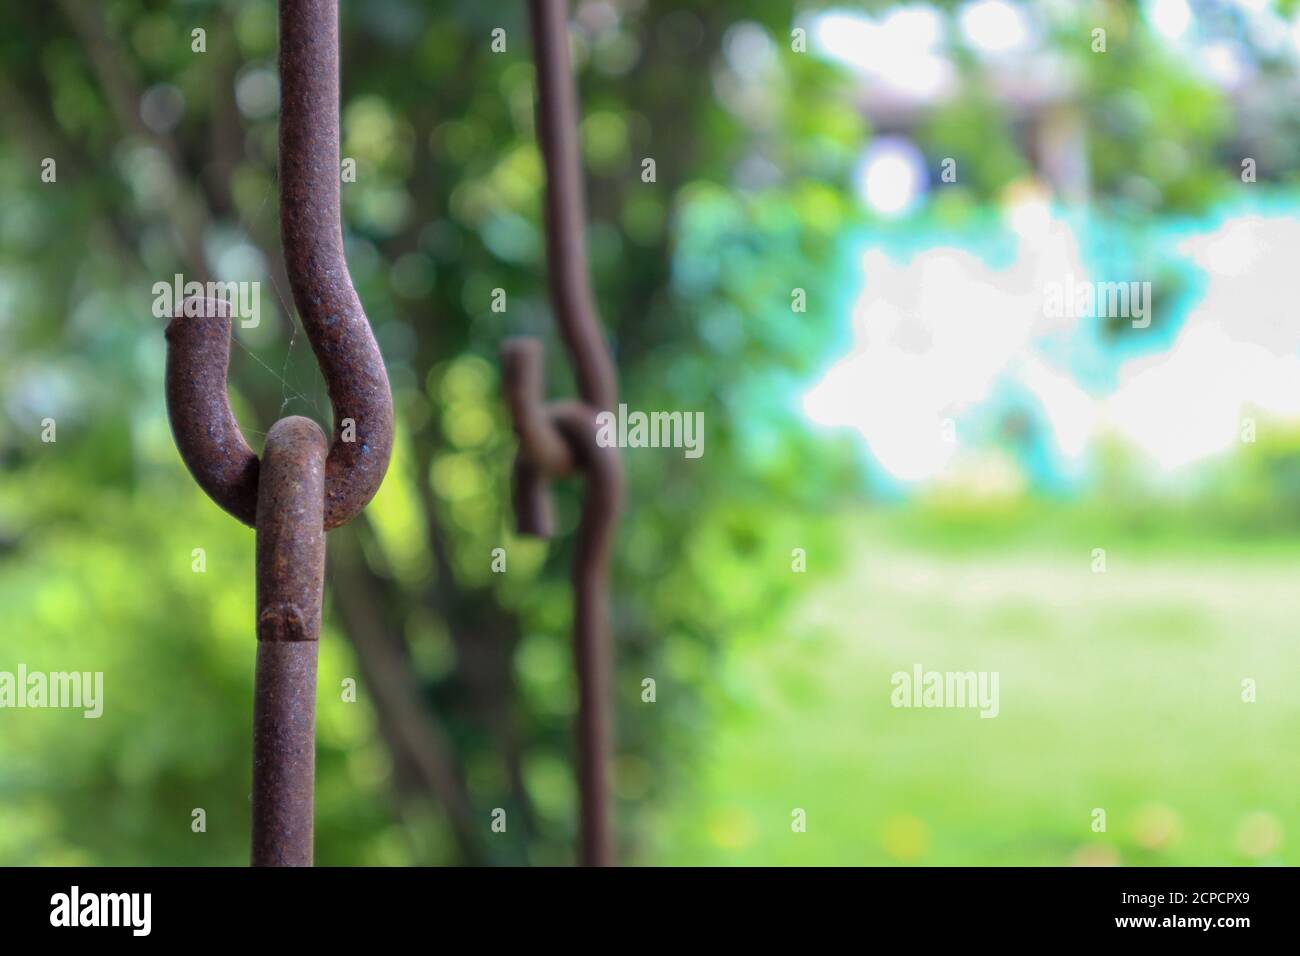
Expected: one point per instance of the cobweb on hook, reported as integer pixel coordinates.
(288, 393)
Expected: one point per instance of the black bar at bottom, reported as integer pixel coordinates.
(335, 905)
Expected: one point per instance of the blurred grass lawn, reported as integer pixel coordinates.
(1120, 690)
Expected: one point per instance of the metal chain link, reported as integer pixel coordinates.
(558, 439)
(301, 487)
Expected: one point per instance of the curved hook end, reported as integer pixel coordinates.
(207, 435)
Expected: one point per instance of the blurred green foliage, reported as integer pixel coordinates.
(693, 276)
(99, 527)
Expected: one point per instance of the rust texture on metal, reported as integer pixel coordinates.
(290, 580)
(207, 435)
(291, 532)
(303, 485)
(559, 439)
(311, 230)
(566, 226)
(284, 753)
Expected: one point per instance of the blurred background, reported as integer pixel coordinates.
(842, 263)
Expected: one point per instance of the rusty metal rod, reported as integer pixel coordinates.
(207, 435)
(592, 650)
(311, 229)
(302, 487)
(573, 426)
(312, 233)
(544, 454)
(290, 580)
(566, 242)
(559, 439)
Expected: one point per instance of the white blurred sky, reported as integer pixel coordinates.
(934, 336)
(940, 336)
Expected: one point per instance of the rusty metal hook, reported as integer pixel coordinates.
(559, 439)
(312, 233)
(299, 489)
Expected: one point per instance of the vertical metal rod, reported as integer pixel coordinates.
(290, 580)
(566, 226)
(301, 487)
(311, 229)
(592, 645)
(541, 457)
